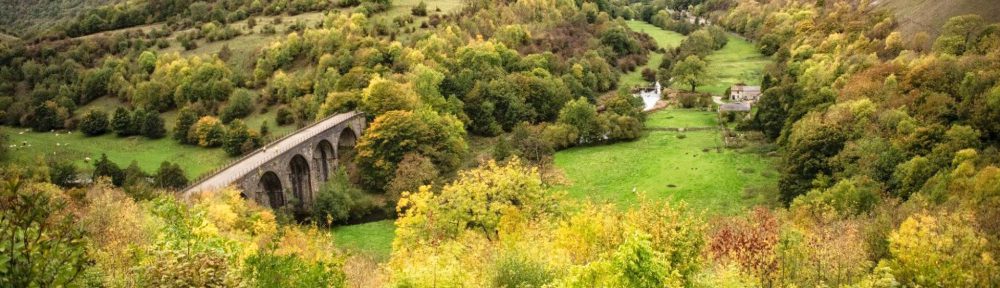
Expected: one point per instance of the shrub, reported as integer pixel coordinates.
(284, 116)
(62, 173)
(105, 168)
(240, 140)
(338, 200)
(94, 123)
(513, 270)
(420, 9)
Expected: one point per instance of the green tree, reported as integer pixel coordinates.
(236, 135)
(338, 200)
(170, 176)
(186, 118)
(583, 116)
(105, 168)
(691, 71)
(152, 126)
(62, 172)
(806, 155)
(94, 123)
(395, 133)
(45, 117)
(959, 34)
(413, 171)
(240, 105)
(147, 61)
(122, 122)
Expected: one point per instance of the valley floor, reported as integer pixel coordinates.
(689, 166)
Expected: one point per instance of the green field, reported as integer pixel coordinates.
(663, 165)
(681, 118)
(738, 61)
(373, 239)
(77, 147)
(663, 38)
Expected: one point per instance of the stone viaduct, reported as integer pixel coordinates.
(292, 167)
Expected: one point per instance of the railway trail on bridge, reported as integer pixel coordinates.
(229, 174)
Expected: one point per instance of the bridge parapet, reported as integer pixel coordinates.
(296, 164)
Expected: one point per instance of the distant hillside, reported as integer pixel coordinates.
(929, 15)
(21, 17)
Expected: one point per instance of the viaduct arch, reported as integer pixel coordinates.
(293, 167)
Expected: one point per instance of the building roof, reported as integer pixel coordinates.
(745, 88)
(734, 107)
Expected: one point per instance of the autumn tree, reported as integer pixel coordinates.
(43, 245)
(395, 133)
(383, 96)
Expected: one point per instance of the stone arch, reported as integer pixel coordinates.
(271, 185)
(300, 179)
(345, 145)
(324, 156)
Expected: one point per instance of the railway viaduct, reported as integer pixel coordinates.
(292, 167)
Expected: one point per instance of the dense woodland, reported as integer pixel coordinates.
(889, 147)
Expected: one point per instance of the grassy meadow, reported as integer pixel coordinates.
(373, 239)
(738, 61)
(675, 166)
(76, 147)
(681, 118)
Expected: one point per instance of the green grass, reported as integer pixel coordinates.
(682, 118)
(663, 38)
(148, 153)
(738, 61)
(663, 166)
(373, 239)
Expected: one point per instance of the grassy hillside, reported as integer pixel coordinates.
(20, 17)
(738, 61)
(663, 38)
(928, 15)
(34, 146)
